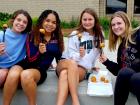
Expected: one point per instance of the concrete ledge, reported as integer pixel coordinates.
(47, 92)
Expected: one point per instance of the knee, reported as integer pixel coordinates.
(16, 68)
(63, 75)
(66, 64)
(13, 76)
(26, 77)
(14, 73)
(72, 66)
(125, 72)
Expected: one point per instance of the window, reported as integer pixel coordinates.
(136, 7)
(115, 5)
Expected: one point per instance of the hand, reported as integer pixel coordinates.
(102, 58)
(2, 48)
(42, 48)
(96, 68)
(82, 51)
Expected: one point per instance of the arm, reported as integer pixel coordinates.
(2, 48)
(58, 57)
(73, 48)
(136, 63)
(110, 65)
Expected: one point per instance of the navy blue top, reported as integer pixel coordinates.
(42, 61)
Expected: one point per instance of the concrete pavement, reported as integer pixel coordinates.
(47, 92)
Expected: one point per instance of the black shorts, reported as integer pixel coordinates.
(27, 65)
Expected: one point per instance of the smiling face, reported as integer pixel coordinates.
(49, 23)
(88, 21)
(20, 23)
(118, 26)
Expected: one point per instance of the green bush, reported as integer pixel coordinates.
(71, 24)
(135, 23)
(34, 20)
(74, 22)
(64, 24)
(5, 16)
(1, 24)
(104, 23)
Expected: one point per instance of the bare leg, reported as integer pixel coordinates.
(62, 82)
(62, 88)
(29, 79)
(11, 81)
(69, 76)
(75, 74)
(3, 75)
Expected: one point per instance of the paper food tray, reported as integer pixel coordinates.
(99, 87)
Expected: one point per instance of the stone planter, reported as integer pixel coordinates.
(66, 32)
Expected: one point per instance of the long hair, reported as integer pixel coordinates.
(99, 38)
(25, 13)
(114, 39)
(57, 32)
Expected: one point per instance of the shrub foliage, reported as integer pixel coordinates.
(4, 17)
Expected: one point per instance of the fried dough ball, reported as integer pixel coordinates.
(5, 26)
(79, 36)
(102, 45)
(42, 31)
(106, 81)
(102, 78)
(93, 79)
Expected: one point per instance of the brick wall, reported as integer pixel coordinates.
(66, 8)
(102, 8)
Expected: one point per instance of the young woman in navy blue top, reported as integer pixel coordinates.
(43, 44)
